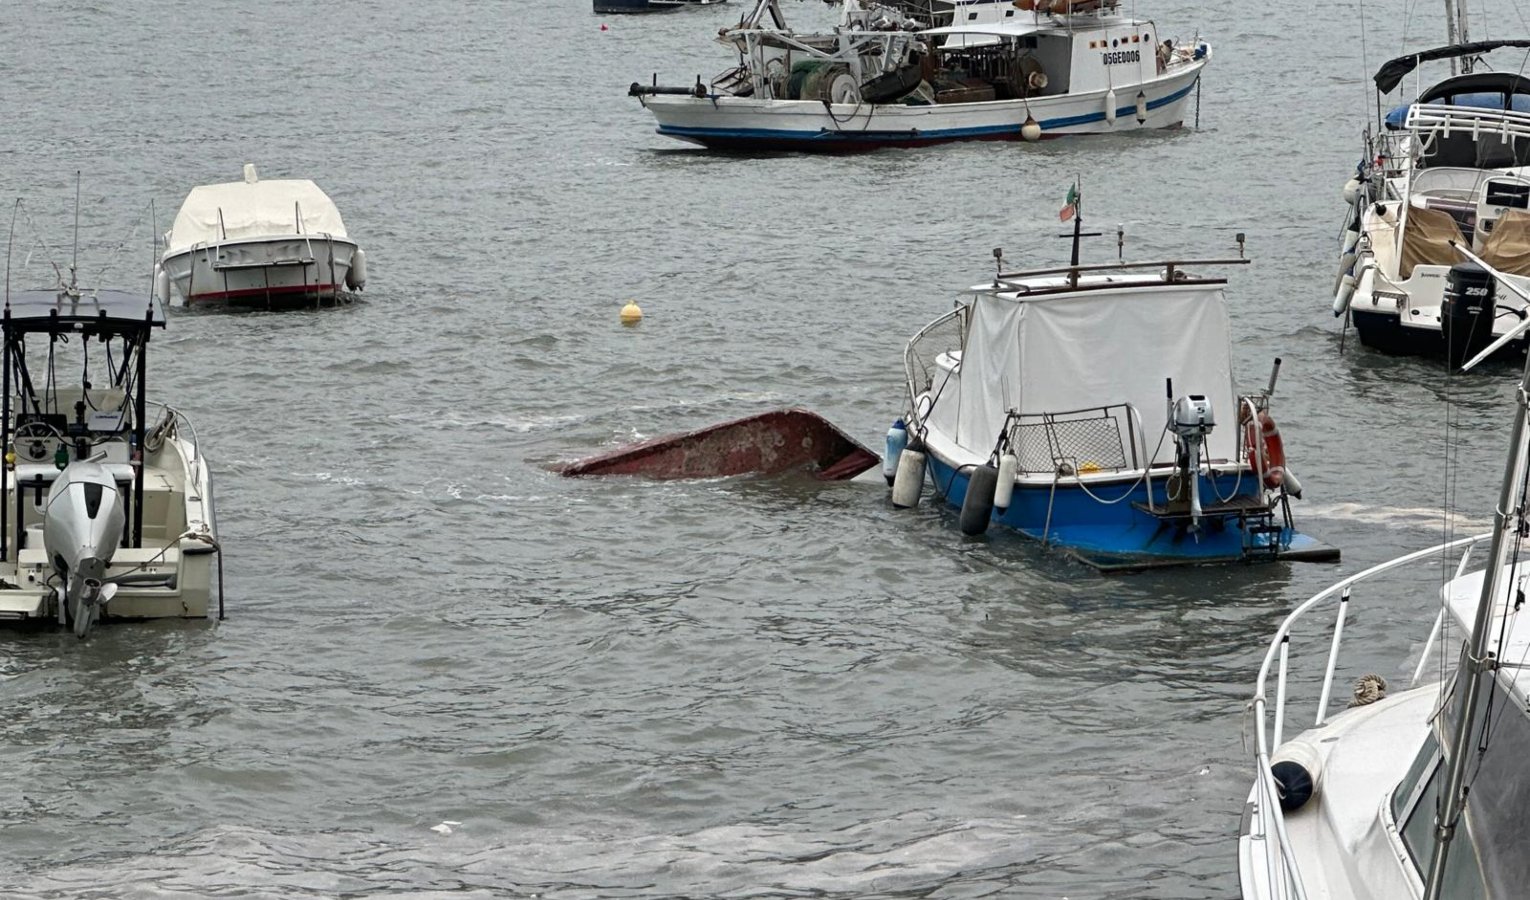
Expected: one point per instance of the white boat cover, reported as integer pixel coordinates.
(253, 210)
(1081, 349)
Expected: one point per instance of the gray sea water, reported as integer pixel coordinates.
(447, 672)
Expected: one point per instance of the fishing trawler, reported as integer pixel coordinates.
(1093, 408)
(106, 510)
(1449, 169)
(889, 76)
(1414, 792)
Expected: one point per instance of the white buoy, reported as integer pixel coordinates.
(908, 484)
(1110, 106)
(249, 174)
(1004, 491)
(1141, 108)
(356, 278)
(1351, 240)
(1030, 130)
(1298, 770)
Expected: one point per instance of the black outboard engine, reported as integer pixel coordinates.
(1466, 316)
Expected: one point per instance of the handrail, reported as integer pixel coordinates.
(1170, 264)
(909, 353)
(1478, 120)
(1270, 817)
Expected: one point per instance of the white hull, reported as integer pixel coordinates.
(267, 270)
(745, 122)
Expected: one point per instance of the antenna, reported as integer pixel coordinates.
(74, 265)
(8, 242)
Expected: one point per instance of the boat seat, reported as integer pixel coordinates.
(1507, 247)
(1426, 240)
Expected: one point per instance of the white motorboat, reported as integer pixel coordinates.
(264, 243)
(107, 505)
(1420, 792)
(1040, 403)
(888, 75)
(1448, 169)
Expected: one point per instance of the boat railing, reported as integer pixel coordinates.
(1172, 271)
(1079, 441)
(172, 421)
(1505, 124)
(944, 335)
(1268, 822)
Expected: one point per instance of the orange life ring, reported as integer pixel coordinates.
(1266, 451)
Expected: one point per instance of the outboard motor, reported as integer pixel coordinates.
(1467, 312)
(1191, 420)
(82, 527)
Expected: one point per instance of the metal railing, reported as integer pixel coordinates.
(1084, 440)
(944, 335)
(1268, 823)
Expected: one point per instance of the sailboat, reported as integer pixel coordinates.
(1421, 792)
(1450, 166)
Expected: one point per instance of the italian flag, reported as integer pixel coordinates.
(1070, 206)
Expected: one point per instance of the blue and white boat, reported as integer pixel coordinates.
(1093, 408)
(604, 7)
(903, 73)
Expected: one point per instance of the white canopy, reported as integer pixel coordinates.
(249, 209)
(1080, 349)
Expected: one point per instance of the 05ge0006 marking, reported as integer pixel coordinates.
(1122, 56)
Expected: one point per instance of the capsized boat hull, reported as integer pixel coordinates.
(1121, 536)
(763, 444)
(745, 123)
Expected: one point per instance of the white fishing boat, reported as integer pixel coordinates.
(107, 505)
(887, 76)
(1449, 168)
(264, 243)
(1418, 792)
(1094, 408)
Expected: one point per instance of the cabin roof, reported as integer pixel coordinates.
(97, 311)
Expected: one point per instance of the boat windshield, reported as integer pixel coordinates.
(1491, 862)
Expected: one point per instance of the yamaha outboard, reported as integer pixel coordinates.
(1191, 419)
(82, 528)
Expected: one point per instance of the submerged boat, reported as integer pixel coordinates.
(888, 75)
(603, 7)
(263, 243)
(1445, 172)
(1418, 792)
(107, 506)
(1093, 408)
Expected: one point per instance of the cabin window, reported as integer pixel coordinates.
(1405, 797)
(1008, 13)
(971, 16)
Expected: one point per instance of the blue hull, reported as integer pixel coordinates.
(630, 6)
(1120, 536)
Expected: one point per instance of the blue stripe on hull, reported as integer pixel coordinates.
(1118, 535)
(853, 139)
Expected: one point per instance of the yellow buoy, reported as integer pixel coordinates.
(631, 313)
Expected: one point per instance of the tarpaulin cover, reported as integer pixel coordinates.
(1507, 248)
(1093, 348)
(261, 209)
(1393, 71)
(1427, 234)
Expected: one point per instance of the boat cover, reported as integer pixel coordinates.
(252, 210)
(1082, 349)
(1507, 249)
(1393, 71)
(1427, 236)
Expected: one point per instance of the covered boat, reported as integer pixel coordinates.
(605, 7)
(1445, 172)
(909, 74)
(1417, 790)
(1094, 408)
(107, 508)
(265, 243)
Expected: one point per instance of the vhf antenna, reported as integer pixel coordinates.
(11, 239)
(74, 266)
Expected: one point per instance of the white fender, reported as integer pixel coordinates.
(356, 278)
(1004, 490)
(1142, 109)
(1345, 293)
(1352, 191)
(908, 484)
(1351, 240)
(162, 285)
(1110, 106)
